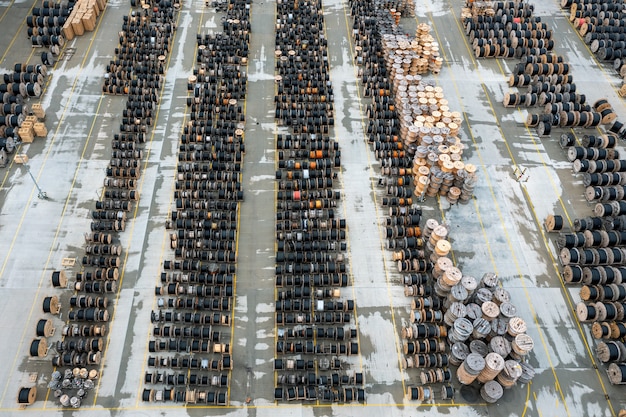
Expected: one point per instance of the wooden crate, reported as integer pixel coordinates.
(89, 21)
(93, 6)
(77, 26)
(26, 135)
(20, 158)
(38, 111)
(40, 130)
(68, 31)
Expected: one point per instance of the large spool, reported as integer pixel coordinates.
(461, 330)
(470, 368)
(516, 326)
(553, 223)
(59, 279)
(490, 280)
(508, 310)
(494, 363)
(500, 345)
(522, 344)
(528, 372)
(510, 374)
(585, 312)
(38, 348)
(480, 347)
(617, 374)
(490, 310)
(491, 392)
(27, 395)
(51, 305)
(44, 328)
(459, 352)
(611, 351)
(469, 283)
(452, 276)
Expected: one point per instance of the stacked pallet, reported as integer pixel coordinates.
(27, 130)
(83, 18)
(38, 111)
(33, 125)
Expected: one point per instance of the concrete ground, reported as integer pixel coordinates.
(500, 230)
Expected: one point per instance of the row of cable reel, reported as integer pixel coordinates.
(192, 326)
(315, 325)
(96, 285)
(370, 21)
(602, 27)
(44, 27)
(544, 73)
(591, 255)
(139, 65)
(402, 231)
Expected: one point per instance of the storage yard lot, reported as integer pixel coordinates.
(500, 230)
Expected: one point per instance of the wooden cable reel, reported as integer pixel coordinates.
(51, 305)
(38, 348)
(491, 392)
(617, 375)
(26, 395)
(553, 223)
(45, 328)
(494, 363)
(59, 279)
(470, 368)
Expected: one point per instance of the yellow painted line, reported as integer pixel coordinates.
(132, 229)
(80, 161)
(599, 66)
(508, 240)
(394, 321)
(165, 236)
(541, 157)
(275, 133)
(154, 301)
(568, 298)
(46, 156)
(345, 210)
(53, 246)
(44, 88)
(527, 399)
(535, 397)
(496, 204)
(283, 406)
(237, 235)
(12, 160)
(476, 207)
(45, 272)
(7, 10)
(554, 262)
(19, 30)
